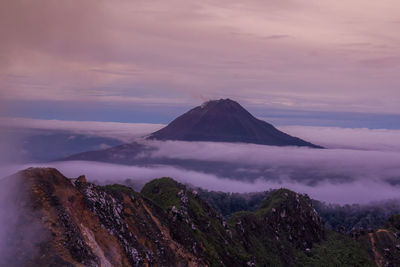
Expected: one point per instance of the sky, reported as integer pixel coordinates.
(320, 63)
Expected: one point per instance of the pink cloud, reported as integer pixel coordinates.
(291, 53)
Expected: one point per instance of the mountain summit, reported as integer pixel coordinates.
(225, 120)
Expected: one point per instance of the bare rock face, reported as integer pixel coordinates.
(58, 221)
(384, 243)
(86, 225)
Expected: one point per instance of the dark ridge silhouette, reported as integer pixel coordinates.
(225, 120)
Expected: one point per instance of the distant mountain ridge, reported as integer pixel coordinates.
(225, 120)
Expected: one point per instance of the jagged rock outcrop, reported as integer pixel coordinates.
(194, 223)
(285, 223)
(77, 223)
(87, 225)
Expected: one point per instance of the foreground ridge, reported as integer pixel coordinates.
(78, 223)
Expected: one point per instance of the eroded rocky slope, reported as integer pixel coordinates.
(86, 225)
(69, 222)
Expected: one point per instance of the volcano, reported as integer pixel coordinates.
(225, 120)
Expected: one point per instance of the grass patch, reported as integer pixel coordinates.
(337, 250)
(163, 192)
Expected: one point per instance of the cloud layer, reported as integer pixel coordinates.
(360, 165)
(348, 138)
(298, 54)
(125, 132)
(358, 191)
(330, 137)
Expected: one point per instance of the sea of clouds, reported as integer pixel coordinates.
(357, 166)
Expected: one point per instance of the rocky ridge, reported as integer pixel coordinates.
(82, 224)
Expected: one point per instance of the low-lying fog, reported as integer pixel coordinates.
(358, 166)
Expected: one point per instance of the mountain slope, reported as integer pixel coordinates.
(225, 120)
(70, 222)
(85, 225)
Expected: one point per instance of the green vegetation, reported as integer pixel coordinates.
(367, 216)
(393, 223)
(194, 223)
(348, 217)
(229, 203)
(258, 243)
(272, 234)
(275, 198)
(284, 230)
(337, 250)
(163, 191)
(117, 191)
(117, 188)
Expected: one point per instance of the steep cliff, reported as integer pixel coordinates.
(70, 222)
(87, 225)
